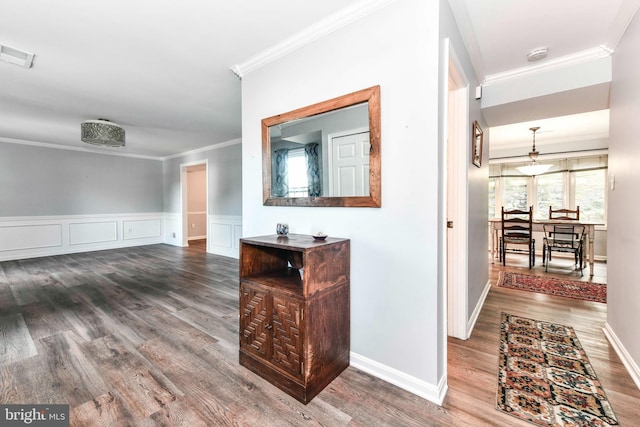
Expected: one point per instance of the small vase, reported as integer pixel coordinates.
(282, 229)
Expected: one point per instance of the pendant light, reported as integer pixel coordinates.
(534, 168)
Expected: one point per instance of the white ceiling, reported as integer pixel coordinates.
(162, 70)
(498, 35)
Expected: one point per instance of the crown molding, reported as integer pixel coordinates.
(71, 148)
(553, 64)
(106, 153)
(627, 11)
(314, 32)
(207, 148)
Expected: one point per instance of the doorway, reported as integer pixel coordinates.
(194, 203)
(456, 200)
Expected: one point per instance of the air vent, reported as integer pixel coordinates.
(16, 56)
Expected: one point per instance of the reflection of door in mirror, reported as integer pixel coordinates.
(349, 163)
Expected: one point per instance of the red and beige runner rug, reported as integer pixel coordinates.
(545, 377)
(568, 288)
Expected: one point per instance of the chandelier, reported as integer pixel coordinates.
(534, 168)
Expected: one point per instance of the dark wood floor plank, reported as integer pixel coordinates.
(104, 410)
(143, 387)
(76, 377)
(148, 336)
(8, 386)
(15, 341)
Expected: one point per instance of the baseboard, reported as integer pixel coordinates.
(476, 311)
(38, 236)
(428, 391)
(204, 236)
(627, 361)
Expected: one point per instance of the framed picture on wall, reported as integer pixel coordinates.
(476, 148)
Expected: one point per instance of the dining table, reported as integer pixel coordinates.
(495, 225)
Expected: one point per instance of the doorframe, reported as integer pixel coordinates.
(184, 201)
(457, 203)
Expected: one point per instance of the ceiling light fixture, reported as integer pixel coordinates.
(534, 168)
(16, 56)
(537, 54)
(102, 132)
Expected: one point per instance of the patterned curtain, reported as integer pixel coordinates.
(313, 169)
(279, 186)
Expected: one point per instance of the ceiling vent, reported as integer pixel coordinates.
(102, 132)
(16, 56)
(537, 54)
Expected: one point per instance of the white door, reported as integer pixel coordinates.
(350, 165)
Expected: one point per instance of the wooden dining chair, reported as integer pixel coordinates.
(565, 214)
(517, 234)
(563, 238)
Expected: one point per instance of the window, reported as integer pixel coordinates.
(590, 194)
(550, 191)
(492, 197)
(515, 192)
(572, 182)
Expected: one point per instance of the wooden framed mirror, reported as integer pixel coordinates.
(325, 154)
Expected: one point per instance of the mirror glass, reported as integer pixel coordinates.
(326, 154)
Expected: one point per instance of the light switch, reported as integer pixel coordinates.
(612, 182)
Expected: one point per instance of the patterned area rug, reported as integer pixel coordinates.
(587, 291)
(545, 377)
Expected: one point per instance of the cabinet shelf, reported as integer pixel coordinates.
(287, 279)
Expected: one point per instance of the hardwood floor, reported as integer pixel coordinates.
(148, 336)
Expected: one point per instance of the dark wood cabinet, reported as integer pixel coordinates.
(294, 311)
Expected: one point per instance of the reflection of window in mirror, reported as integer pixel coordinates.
(298, 183)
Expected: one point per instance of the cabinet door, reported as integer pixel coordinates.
(255, 321)
(287, 335)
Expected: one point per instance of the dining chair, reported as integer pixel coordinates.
(563, 238)
(565, 214)
(517, 234)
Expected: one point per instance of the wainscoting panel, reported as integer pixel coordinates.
(142, 228)
(224, 235)
(173, 229)
(30, 237)
(93, 232)
(24, 236)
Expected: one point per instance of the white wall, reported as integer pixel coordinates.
(394, 249)
(623, 292)
(50, 181)
(224, 171)
(56, 201)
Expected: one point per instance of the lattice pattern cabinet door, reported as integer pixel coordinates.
(287, 343)
(254, 321)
